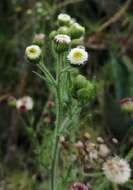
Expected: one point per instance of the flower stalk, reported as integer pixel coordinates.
(54, 164)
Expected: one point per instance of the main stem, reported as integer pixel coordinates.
(54, 164)
(114, 186)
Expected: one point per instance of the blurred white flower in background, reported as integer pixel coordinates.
(25, 104)
(40, 36)
(103, 150)
(78, 186)
(117, 170)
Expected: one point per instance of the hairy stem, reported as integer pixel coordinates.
(54, 164)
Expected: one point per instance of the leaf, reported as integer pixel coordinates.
(47, 74)
(42, 77)
(120, 77)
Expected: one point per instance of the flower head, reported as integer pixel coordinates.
(77, 56)
(33, 52)
(78, 186)
(77, 31)
(40, 36)
(25, 104)
(64, 19)
(83, 89)
(39, 39)
(62, 38)
(117, 170)
(62, 42)
(80, 82)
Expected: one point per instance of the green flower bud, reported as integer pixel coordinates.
(74, 72)
(77, 42)
(39, 39)
(126, 104)
(63, 30)
(85, 94)
(82, 94)
(82, 89)
(91, 89)
(72, 21)
(76, 31)
(127, 107)
(12, 101)
(64, 19)
(61, 43)
(52, 34)
(80, 82)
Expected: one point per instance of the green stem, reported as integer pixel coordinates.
(54, 164)
(114, 186)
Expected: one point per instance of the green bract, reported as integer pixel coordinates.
(83, 89)
(80, 82)
(63, 30)
(60, 48)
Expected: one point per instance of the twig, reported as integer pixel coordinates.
(95, 40)
(115, 17)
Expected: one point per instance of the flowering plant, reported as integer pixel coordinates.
(72, 91)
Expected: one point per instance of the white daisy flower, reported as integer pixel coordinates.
(77, 56)
(117, 170)
(33, 52)
(62, 38)
(64, 18)
(25, 104)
